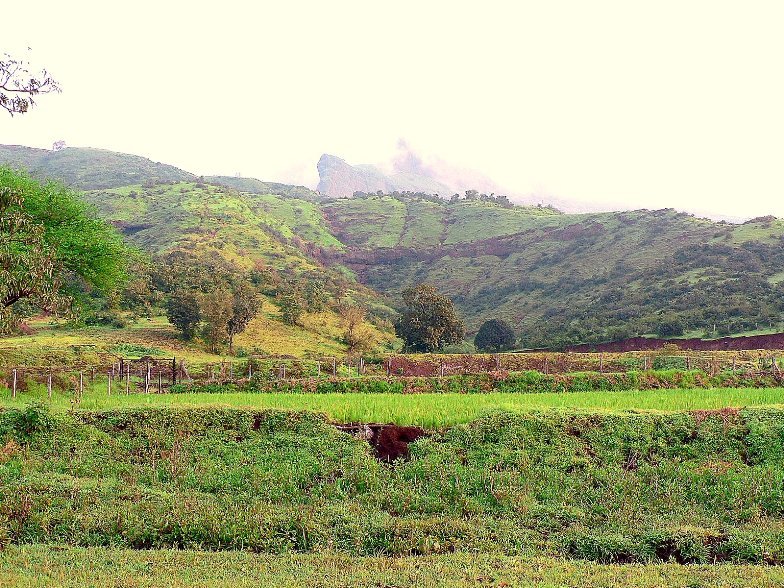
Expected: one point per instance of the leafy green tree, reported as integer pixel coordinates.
(291, 305)
(316, 294)
(495, 335)
(429, 321)
(50, 238)
(182, 309)
(216, 310)
(669, 326)
(245, 306)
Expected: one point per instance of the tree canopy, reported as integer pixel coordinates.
(495, 335)
(429, 322)
(52, 242)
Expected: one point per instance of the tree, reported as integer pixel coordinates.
(291, 305)
(216, 310)
(245, 307)
(50, 239)
(357, 336)
(429, 321)
(316, 295)
(18, 86)
(495, 335)
(184, 313)
(669, 326)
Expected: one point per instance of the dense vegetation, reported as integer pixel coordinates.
(697, 488)
(52, 245)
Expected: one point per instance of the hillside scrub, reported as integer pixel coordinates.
(687, 488)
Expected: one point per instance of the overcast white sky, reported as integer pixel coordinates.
(643, 104)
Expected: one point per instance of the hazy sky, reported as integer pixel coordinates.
(642, 104)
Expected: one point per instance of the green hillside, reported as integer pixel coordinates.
(255, 186)
(240, 227)
(88, 168)
(568, 277)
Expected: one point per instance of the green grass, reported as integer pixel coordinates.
(611, 488)
(37, 566)
(429, 410)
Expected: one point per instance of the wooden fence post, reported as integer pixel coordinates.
(250, 369)
(13, 386)
(319, 369)
(601, 362)
(109, 382)
(334, 367)
(545, 365)
(49, 385)
(147, 379)
(160, 381)
(174, 371)
(81, 383)
(127, 379)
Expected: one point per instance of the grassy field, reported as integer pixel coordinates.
(42, 566)
(427, 410)
(59, 344)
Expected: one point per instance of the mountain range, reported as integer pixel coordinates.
(557, 278)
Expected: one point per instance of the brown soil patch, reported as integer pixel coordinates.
(389, 442)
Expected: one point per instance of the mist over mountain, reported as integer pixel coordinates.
(407, 170)
(410, 171)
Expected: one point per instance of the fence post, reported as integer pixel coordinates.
(250, 369)
(319, 369)
(601, 362)
(81, 383)
(545, 365)
(160, 381)
(49, 385)
(109, 382)
(334, 367)
(147, 379)
(128, 379)
(13, 387)
(174, 371)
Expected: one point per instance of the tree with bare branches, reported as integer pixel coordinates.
(19, 86)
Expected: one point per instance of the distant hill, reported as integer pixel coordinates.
(338, 178)
(255, 186)
(90, 169)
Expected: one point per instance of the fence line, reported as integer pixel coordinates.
(150, 375)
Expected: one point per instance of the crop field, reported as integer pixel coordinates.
(426, 410)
